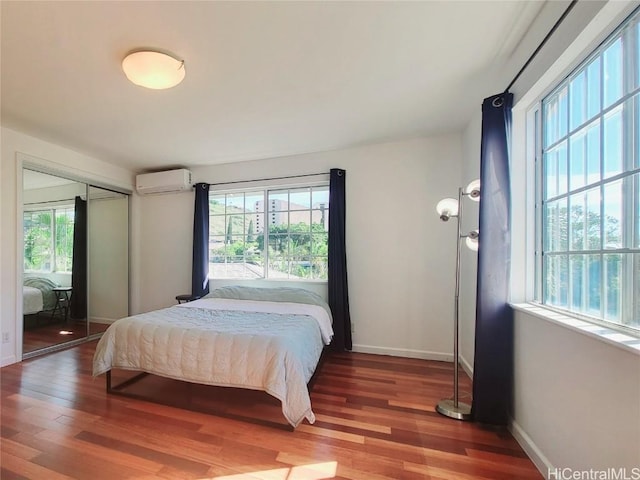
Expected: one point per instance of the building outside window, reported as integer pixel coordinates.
(588, 194)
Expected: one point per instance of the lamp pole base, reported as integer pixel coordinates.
(448, 409)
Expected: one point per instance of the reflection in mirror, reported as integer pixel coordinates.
(76, 260)
(108, 258)
(52, 224)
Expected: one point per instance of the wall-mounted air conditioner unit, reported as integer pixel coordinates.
(164, 182)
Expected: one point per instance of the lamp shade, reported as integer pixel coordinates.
(472, 240)
(154, 70)
(473, 190)
(447, 208)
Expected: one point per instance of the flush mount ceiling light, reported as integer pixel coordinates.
(153, 69)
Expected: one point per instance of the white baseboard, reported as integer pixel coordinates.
(425, 355)
(466, 366)
(102, 320)
(403, 352)
(538, 458)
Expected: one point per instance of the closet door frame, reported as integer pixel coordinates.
(24, 161)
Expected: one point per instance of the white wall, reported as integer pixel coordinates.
(400, 256)
(165, 249)
(576, 398)
(53, 157)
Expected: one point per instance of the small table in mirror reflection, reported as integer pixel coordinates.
(63, 301)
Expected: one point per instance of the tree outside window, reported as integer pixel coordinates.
(279, 233)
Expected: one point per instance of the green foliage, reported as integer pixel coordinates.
(584, 234)
(298, 250)
(299, 247)
(229, 238)
(250, 237)
(573, 231)
(247, 251)
(39, 246)
(64, 242)
(296, 237)
(37, 240)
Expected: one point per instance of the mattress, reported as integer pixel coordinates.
(32, 300)
(269, 346)
(46, 286)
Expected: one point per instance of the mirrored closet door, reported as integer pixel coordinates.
(108, 258)
(76, 261)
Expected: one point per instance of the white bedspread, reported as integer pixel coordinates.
(32, 300)
(274, 347)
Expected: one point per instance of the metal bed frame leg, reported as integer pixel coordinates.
(118, 390)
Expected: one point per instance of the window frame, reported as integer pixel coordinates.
(629, 101)
(267, 212)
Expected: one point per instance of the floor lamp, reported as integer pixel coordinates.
(452, 208)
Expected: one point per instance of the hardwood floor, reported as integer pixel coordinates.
(45, 333)
(375, 419)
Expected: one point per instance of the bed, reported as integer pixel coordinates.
(38, 295)
(32, 300)
(268, 339)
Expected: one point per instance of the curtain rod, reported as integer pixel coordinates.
(542, 44)
(272, 178)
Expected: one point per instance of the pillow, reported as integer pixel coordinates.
(277, 294)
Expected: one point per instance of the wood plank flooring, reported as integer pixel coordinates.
(375, 419)
(46, 333)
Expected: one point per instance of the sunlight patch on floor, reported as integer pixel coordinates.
(313, 471)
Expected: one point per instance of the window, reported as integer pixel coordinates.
(279, 233)
(48, 239)
(589, 185)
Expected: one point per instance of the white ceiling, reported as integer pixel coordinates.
(264, 79)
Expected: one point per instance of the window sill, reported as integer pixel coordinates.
(599, 332)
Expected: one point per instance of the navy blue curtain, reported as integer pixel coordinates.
(200, 269)
(78, 306)
(337, 275)
(493, 363)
